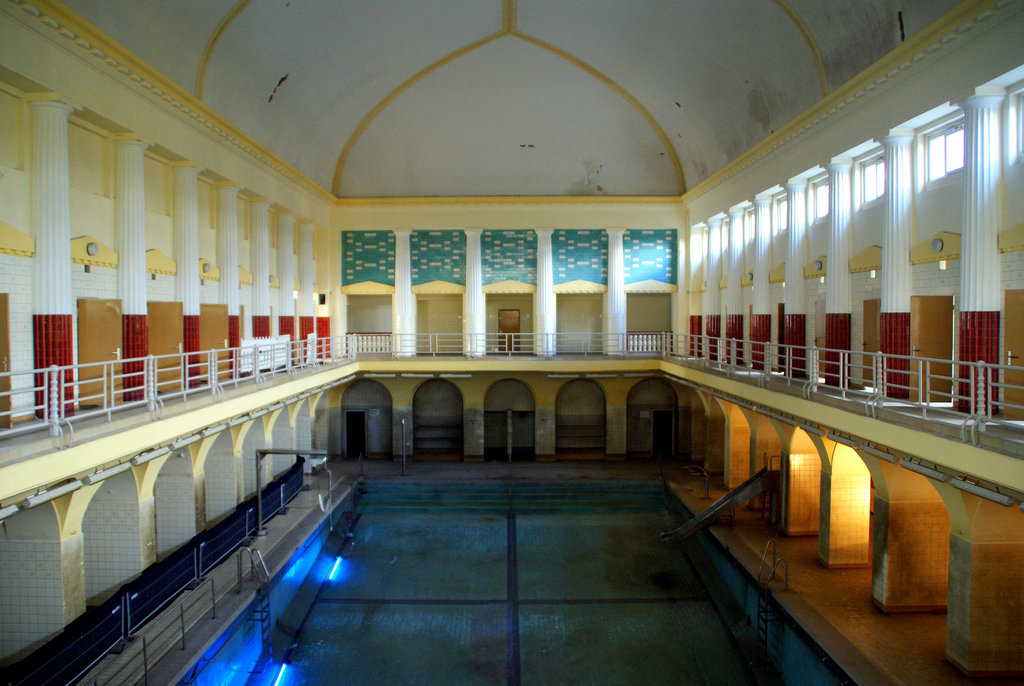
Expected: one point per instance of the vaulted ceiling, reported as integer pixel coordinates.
(416, 98)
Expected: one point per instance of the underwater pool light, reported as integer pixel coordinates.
(277, 682)
(334, 570)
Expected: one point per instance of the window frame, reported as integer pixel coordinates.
(942, 131)
(780, 214)
(818, 209)
(876, 160)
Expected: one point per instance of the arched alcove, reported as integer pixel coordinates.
(365, 420)
(580, 419)
(652, 419)
(437, 420)
(508, 421)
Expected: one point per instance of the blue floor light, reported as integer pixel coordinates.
(334, 570)
(277, 682)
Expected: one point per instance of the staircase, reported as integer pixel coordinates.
(523, 498)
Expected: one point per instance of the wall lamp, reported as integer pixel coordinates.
(377, 375)
(812, 429)
(6, 512)
(345, 380)
(102, 474)
(151, 455)
(182, 442)
(563, 376)
(880, 454)
(410, 375)
(48, 495)
(600, 376)
(977, 489)
(925, 471)
(455, 376)
(210, 430)
(636, 375)
(841, 439)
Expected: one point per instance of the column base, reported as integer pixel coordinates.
(760, 332)
(713, 330)
(734, 332)
(190, 343)
(696, 329)
(323, 330)
(286, 326)
(135, 344)
(894, 330)
(796, 335)
(837, 338)
(52, 341)
(979, 342)
(260, 326)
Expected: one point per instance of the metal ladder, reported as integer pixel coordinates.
(765, 614)
(258, 572)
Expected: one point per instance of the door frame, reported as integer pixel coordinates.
(674, 441)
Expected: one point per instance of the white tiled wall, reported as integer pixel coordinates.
(113, 552)
(221, 481)
(16, 276)
(160, 288)
(32, 593)
(175, 511)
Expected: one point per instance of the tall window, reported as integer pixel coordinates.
(748, 227)
(945, 152)
(872, 179)
(820, 199)
(780, 222)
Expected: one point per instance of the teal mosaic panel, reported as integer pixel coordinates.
(368, 256)
(438, 256)
(580, 255)
(649, 254)
(508, 256)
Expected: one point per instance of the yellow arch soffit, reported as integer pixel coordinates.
(812, 45)
(423, 73)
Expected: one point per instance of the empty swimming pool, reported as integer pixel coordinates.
(504, 584)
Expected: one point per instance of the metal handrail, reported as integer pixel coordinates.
(257, 568)
(771, 544)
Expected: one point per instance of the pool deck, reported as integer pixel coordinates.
(833, 605)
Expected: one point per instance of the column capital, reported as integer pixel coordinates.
(762, 200)
(983, 100)
(838, 165)
(129, 140)
(545, 231)
(259, 201)
(49, 101)
(401, 232)
(184, 165)
(613, 232)
(898, 138)
(796, 186)
(716, 221)
(736, 212)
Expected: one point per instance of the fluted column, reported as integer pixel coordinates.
(227, 257)
(307, 324)
(796, 255)
(712, 293)
(286, 274)
(185, 220)
(51, 228)
(259, 244)
(894, 319)
(615, 298)
(474, 321)
(734, 284)
(404, 310)
(698, 257)
(545, 297)
(130, 230)
(838, 303)
(761, 322)
(980, 294)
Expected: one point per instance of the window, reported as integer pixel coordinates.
(872, 179)
(820, 199)
(781, 219)
(748, 227)
(945, 152)
(1020, 124)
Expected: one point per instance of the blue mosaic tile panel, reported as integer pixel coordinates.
(508, 255)
(649, 254)
(580, 255)
(368, 256)
(438, 256)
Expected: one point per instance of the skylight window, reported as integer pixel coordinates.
(872, 179)
(820, 199)
(945, 152)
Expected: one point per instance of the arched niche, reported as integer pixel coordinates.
(580, 419)
(437, 420)
(509, 421)
(364, 422)
(652, 419)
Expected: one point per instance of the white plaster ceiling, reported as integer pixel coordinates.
(417, 98)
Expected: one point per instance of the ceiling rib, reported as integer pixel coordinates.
(204, 61)
(812, 45)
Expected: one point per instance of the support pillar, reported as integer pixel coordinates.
(681, 297)
(838, 301)
(844, 525)
(185, 220)
(761, 323)
(474, 319)
(894, 320)
(980, 295)
(796, 255)
(130, 228)
(615, 298)
(712, 292)
(51, 227)
(545, 301)
(734, 286)
(307, 308)
(286, 274)
(403, 309)
(227, 257)
(259, 241)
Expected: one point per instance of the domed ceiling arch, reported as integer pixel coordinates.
(317, 82)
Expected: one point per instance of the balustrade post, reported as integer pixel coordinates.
(53, 396)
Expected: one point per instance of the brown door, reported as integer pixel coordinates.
(99, 340)
(165, 336)
(508, 323)
(872, 335)
(213, 334)
(931, 335)
(5, 364)
(1013, 336)
(819, 323)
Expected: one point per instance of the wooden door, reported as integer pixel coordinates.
(1013, 337)
(931, 335)
(872, 336)
(213, 334)
(166, 324)
(99, 340)
(508, 323)
(5, 362)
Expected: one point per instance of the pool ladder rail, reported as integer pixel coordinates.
(257, 568)
(768, 571)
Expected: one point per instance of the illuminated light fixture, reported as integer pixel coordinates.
(410, 375)
(812, 429)
(152, 454)
(277, 681)
(455, 376)
(841, 439)
(872, 273)
(563, 376)
(925, 471)
(334, 569)
(821, 279)
(635, 375)
(47, 496)
(377, 375)
(182, 442)
(977, 489)
(345, 380)
(8, 511)
(106, 473)
(942, 265)
(238, 420)
(210, 430)
(880, 454)
(600, 376)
